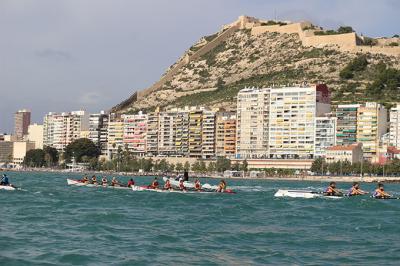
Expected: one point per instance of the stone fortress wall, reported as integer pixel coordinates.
(347, 42)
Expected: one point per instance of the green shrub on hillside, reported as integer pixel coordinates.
(210, 57)
(369, 41)
(358, 64)
(394, 44)
(385, 84)
(340, 30)
(272, 22)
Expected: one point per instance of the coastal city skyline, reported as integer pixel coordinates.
(89, 89)
(214, 132)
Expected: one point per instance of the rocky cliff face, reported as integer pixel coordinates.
(213, 70)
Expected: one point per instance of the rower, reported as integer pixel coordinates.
(114, 182)
(154, 184)
(182, 185)
(94, 180)
(380, 192)
(355, 190)
(131, 182)
(167, 184)
(104, 181)
(5, 181)
(197, 185)
(85, 179)
(221, 186)
(331, 190)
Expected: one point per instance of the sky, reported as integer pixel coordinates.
(66, 55)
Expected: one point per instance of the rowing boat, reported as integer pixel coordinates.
(146, 188)
(307, 194)
(83, 184)
(188, 184)
(10, 188)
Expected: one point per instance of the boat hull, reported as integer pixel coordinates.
(306, 194)
(145, 188)
(9, 188)
(82, 184)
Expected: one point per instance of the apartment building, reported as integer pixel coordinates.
(225, 134)
(152, 132)
(35, 134)
(182, 133)
(352, 153)
(167, 132)
(252, 123)
(135, 130)
(292, 120)
(59, 130)
(371, 126)
(346, 131)
(208, 134)
(394, 126)
(115, 135)
(22, 120)
(325, 134)
(195, 133)
(98, 131)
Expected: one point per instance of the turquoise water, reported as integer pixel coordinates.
(49, 223)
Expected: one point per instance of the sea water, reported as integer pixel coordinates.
(48, 222)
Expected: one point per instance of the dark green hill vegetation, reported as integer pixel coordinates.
(358, 64)
(340, 30)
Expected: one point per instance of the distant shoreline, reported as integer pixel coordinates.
(346, 179)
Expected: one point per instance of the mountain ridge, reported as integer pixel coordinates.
(254, 52)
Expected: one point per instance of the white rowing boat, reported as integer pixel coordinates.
(83, 184)
(10, 188)
(146, 188)
(188, 184)
(307, 194)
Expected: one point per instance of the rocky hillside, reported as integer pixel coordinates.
(241, 59)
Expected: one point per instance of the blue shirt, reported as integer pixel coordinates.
(4, 180)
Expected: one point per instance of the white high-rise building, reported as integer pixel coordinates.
(98, 127)
(208, 134)
(59, 130)
(293, 113)
(325, 134)
(394, 126)
(252, 123)
(279, 122)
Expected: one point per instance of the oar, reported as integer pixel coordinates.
(388, 198)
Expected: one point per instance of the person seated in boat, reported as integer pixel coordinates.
(331, 190)
(5, 181)
(94, 180)
(197, 185)
(182, 185)
(114, 182)
(131, 183)
(380, 192)
(85, 179)
(104, 181)
(355, 190)
(167, 184)
(221, 186)
(154, 184)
